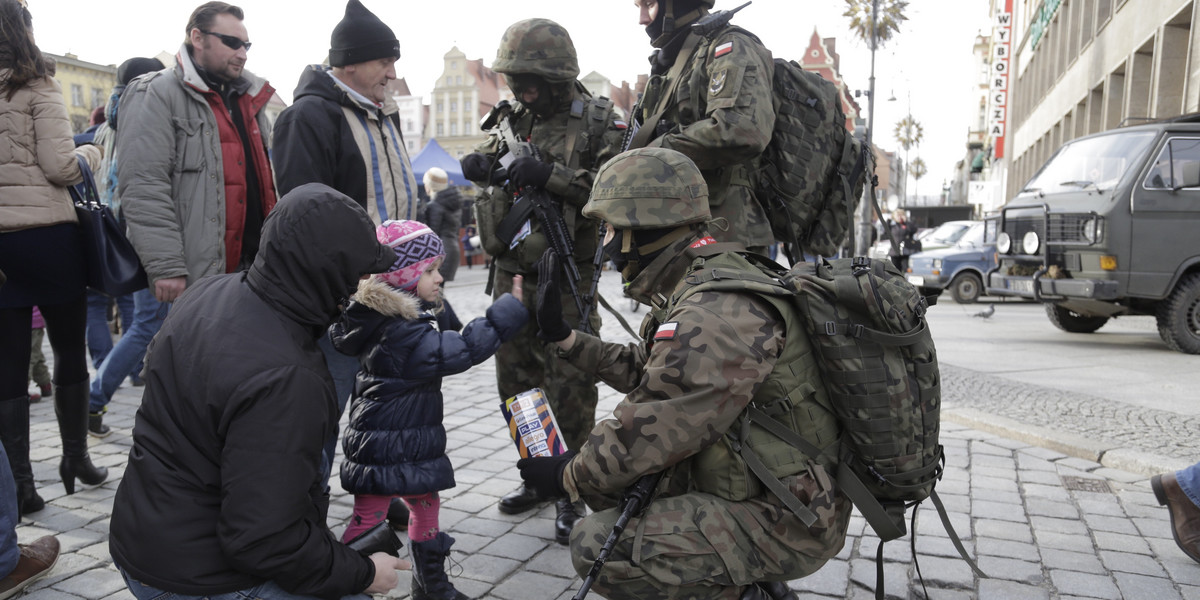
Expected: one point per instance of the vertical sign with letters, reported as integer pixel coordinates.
(998, 87)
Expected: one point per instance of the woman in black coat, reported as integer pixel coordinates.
(444, 218)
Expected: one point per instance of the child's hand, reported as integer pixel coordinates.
(517, 290)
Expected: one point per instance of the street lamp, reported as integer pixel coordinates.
(862, 240)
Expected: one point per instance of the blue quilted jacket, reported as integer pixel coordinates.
(395, 443)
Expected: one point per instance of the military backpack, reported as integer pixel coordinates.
(879, 370)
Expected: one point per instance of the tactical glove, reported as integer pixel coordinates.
(543, 474)
(528, 171)
(551, 325)
(475, 166)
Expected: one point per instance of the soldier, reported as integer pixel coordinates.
(574, 134)
(709, 97)
(704, 358)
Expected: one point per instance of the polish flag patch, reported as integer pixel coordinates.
(666, 331)
(723, 49)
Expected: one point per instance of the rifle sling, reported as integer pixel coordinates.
(650, 125)
(514, 220)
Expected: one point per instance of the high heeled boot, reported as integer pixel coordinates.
(429, 579)
(14, 431)
(71, 408)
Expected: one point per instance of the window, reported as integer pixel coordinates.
(458, 79)
(97, 97)
(76, 94)
(440, 129)
(454, 106)
(409, 125)
(454, 64)
(1177, 166)
(454, 129)
(449, 80)
(440, 107)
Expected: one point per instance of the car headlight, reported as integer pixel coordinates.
(1091, 230)
(1003, 243)
(1029, 243)
(936, 264)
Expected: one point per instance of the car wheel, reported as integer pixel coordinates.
(1073, 322)
(1179, 316)
(965, 288)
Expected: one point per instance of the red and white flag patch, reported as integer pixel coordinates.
(666, 331)
(723, 49)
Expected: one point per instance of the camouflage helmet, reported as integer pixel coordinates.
(649, 188)
(539, 47)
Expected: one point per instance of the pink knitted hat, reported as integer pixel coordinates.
(416, 247)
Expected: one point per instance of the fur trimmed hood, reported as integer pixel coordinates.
(387, 300)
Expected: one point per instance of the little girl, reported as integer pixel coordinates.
(395, 444)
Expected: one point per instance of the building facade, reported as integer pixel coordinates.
(85, 86)
(1085, 66)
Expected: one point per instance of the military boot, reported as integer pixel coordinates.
(14, 431)
(769, 590)
(568, 514)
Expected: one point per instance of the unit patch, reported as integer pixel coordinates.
(722, 49)
(718, 82)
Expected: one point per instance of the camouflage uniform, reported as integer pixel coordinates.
(541, 47)
(720, 116)
(687, 384)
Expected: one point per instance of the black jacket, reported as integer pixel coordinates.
(314, 143)
(445, 214)
(223, 489)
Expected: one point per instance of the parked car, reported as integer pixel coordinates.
(933, 238)
(959, 268)
(1107, 228)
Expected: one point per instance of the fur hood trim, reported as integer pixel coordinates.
(387, 300)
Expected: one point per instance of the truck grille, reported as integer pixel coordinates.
(1058, 229)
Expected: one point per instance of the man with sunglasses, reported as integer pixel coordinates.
(194, 175)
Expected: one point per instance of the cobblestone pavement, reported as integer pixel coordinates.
(1042, 521)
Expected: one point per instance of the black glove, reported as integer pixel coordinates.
(528, 171)
(544, 473)
(475, 166)
(551, 325)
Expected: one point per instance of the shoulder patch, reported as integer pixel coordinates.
(666, 331)
(723, 49)
(718, 82)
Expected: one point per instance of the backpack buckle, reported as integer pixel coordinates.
(855, 330)
(830, 328)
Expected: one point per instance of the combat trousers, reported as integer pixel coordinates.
(525, 362)
(699, 546)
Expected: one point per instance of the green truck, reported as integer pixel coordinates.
(1109, 227)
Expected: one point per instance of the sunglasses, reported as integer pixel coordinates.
(230, 41)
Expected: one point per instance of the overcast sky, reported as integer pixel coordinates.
(930, 59)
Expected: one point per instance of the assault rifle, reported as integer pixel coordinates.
(534, 201)
(634, 502)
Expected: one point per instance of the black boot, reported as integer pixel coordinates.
(14, 431)
(397, 515)
(429, 569)
(379, 538)
(769, 590)
(564, 521)
(71, 408)
(519, 501)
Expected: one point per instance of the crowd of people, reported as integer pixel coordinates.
(293, 272)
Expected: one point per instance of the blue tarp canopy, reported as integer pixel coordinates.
(433, 155)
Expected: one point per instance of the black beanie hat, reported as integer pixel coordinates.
(361, 37)
(137, 66)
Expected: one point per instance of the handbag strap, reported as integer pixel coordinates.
(85, 192)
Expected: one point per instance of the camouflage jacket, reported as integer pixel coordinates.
(721, 117)
(598, 139)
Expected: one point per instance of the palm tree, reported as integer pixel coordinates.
(909, 133)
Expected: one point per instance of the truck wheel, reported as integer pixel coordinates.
(1179, 316)
(1073, 322)
(965, 288)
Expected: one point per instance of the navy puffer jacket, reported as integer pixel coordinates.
(395, 443)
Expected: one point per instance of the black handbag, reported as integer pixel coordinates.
(113, 265)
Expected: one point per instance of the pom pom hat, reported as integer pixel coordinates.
(416, 248)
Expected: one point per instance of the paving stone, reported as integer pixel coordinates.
(1119, 542)
(1004, 530)
(1049, 524)
(1012, 569)
(995, 589)
(531, 586)
(1121, 525)
(1002, 511)
(831, 580)
(1065, 541)
(1141, 587)
(1128, 562)
(1085, 585)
